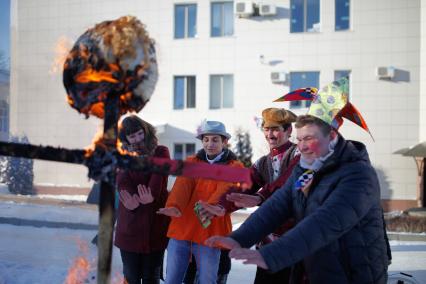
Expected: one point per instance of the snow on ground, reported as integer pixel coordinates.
(34, 255)
(39, 212)
(75, 197)
(44, 255)
(81, 198)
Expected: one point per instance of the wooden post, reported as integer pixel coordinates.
(107, 193)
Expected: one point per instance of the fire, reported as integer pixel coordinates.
(99, 141)
(96, 141)
(114, 58)
(78, 271)
(81, 267)
(61, 49)
(91, 75)
(97, 109)
(119, 279)
(84, 271)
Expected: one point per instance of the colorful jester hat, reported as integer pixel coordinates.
(330, 104)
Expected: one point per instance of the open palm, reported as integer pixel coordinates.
(144, 194)
(129, 201)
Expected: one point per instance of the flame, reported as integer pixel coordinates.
(84, 271)
(70, 100)
(126, 97)
(61, 50)
(80, 268)
(123, 151)
(119, 279)
(96, 141)
(98, 109)
(91, 75)
(78, 271)
(99, 141)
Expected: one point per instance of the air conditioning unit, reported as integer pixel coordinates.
(279, 77)
(267, 10)
(244, 9)
(385, 72)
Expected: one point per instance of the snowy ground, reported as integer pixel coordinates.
(39, 244)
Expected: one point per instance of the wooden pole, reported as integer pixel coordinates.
(107, 193)
(46, 153)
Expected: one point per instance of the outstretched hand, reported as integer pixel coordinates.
(244, 200)
(129, 201)
(210, 210)
(249, 256)
(170, 211)
(222, 242)
(144, 194)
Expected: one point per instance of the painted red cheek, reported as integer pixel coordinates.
(314, 147)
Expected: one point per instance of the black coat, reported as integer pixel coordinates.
(339, 234)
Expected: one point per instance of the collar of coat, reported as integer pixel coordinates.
(227, 156)
(280, 149)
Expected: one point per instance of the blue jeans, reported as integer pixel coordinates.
(179, 255)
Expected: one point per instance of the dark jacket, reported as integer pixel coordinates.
(142, 230)
(262, 172)
(339, 234)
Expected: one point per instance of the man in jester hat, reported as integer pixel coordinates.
(334, 195)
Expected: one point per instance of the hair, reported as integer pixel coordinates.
(134, 123)
(221, 136)
(285, 126)
(304, 120)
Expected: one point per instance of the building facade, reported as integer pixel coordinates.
(228, 60)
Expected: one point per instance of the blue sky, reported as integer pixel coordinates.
(5, 27)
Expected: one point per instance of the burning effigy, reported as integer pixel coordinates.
(112, 57)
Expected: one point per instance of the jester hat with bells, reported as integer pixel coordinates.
(330, 104)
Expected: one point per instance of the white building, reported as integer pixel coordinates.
(225, 60)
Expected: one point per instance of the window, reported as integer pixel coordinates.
(185, 21)
(184, 92)
(222, 19)
(342, 15)
(303, 80)
(343, 73)
(182, 151)
(221, 91)
(305, 16)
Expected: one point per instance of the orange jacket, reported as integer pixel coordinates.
(185, 193)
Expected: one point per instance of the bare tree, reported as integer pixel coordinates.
(243, 148)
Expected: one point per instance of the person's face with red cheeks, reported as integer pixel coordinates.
(312, 142)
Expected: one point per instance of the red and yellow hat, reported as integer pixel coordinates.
(330, 104)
